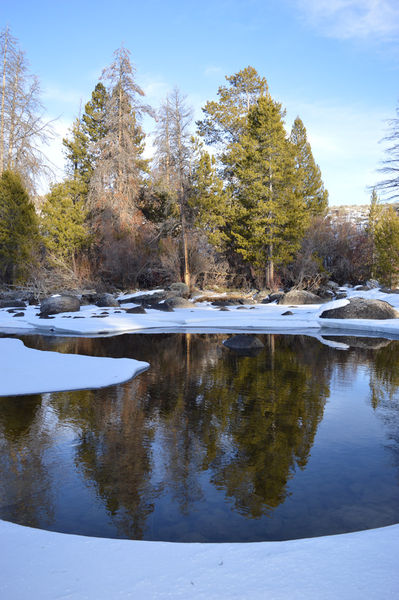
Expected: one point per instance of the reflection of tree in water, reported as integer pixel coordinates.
(114, 451)
(264, 421)
(250, 421)
(25, 486)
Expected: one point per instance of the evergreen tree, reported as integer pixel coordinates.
(372, 222)
(270, 217)
(120, 166)
(210, 202)
(63, 222)
(225, 121)
(19, 236)
(81, 147)
(310, 186)
(387, 247)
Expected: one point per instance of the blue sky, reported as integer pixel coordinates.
(333, 62)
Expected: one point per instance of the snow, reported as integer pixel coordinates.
(47, 565)
(27, 371)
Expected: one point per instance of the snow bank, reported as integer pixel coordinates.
(45, 565)
(27, 371)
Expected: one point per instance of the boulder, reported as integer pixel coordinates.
(287, 313)
(158, 306)
(276, 296)
(362, 308)
(300, 297)
(12, 304)
(106, 300)
(244, 344)
(136, 310)
(178, 302)
(155, 296)
(180, 289)
(59, 304)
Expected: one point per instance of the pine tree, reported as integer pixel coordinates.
(81, 147)
(310, 186)
(387, 247)
(269, 218)
(225, 121)
(372, 223)
(209, 201)
(63, 222)
(120, 166)
(19, 236)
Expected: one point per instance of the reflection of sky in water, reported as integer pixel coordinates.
(300, 440)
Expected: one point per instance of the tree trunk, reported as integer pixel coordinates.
(269, 271)
(186, 268)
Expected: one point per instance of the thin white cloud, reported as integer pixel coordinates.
(358, 19)
(213, 70)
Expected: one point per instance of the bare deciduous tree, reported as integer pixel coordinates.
(23, 131)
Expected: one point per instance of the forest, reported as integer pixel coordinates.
(231, 201)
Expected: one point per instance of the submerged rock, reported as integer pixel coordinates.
(362, 308)
(244, 343)
(12, 304)
(59, 304)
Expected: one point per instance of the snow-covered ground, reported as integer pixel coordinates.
(91, 320)
(40, 564)
(27, 371)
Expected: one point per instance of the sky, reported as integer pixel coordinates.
(334, 63)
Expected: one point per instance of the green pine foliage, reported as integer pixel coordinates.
(387, 247)
(19, 234)
(63, 222)
(270, 218)
(310, 185)
(209, 201)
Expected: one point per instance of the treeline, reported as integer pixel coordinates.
(241, 203)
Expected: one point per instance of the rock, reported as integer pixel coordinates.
(361, 288)
(361, 308)
(372, 284)
(159, 306)
(242, 308)
(59, 304)
(266, 300)
(180, 289)
(300, 297)
(136, 310)
(152, 297)
(103, 300)
(244, 344)
(386, 290)
(224, 308)
(19, 314)
(178, 302)
(12, 304)
(341, 295)
(276, 296)
(287, 313)
(332, 285)
(262, 295)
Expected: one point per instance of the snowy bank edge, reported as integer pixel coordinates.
(48, 565)
(28, 371)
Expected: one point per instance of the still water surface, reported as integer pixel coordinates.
(299, 440)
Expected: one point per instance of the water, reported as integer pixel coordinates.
(298, 440)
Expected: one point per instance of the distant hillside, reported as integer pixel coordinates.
(357, 214)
